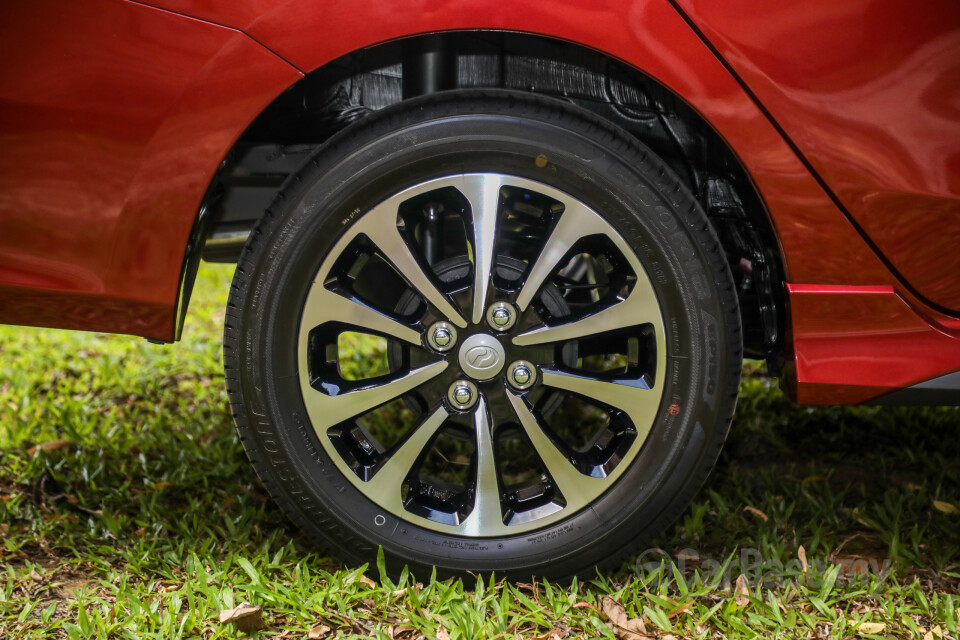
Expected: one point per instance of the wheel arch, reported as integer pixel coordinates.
(352, 86)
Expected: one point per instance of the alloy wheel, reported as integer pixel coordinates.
(507, 358)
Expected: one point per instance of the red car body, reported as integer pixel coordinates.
(115, 116)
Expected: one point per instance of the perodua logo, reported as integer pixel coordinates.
(482, 357)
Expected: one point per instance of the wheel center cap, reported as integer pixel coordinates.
(481, 356)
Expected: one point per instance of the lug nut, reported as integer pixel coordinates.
(501, 316)
(441, 336)
(462, 394)
(521, 374)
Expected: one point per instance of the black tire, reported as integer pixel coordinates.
(517, 134)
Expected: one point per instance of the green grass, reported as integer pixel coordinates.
(143, 519)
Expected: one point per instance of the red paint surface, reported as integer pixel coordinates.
(869, 90)
(853, 344)
(118, 114)
(819, 245)
(113, 119)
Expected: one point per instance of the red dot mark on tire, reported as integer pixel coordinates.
(674, 409)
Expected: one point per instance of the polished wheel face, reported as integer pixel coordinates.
(481, 355)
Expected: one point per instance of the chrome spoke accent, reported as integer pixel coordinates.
(385, 485)
(380, 225)
(483, 193)
(578, 489)
(640, 403)
(335, 409)
(324, 305)
(640, 307)
(487, 514)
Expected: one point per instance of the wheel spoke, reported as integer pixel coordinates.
(337, 408)
(577, 488)
(482, 191)
(380, 225)
(487, 514)
(632, 397)
(576, 221)
(329, 306)
(640, 307)
(385, 485)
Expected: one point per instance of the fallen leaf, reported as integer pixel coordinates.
(403, 631)
(442, 633)
(227, 504)
(802, 555)
(945, 507)
(742, 591)
(854, 565)
(871, 627)
(52, 445)
(756, 513)
(70, 590)
(245, 618)
(367, 582)
(624, 628)
(318, 631)
(810, 479)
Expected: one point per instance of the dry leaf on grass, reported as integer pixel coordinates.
(245, 618)
(802, 555)
(52, 445)
(403, 631)
(742, 590)
(318, 631)
(442, 633)
(945, 507)
(871, 627)
(625, 628)
(756, 513)
(367, 582)
(673, 614)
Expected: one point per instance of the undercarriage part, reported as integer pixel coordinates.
(348, 89)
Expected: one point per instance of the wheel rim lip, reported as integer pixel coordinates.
(470, 528)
